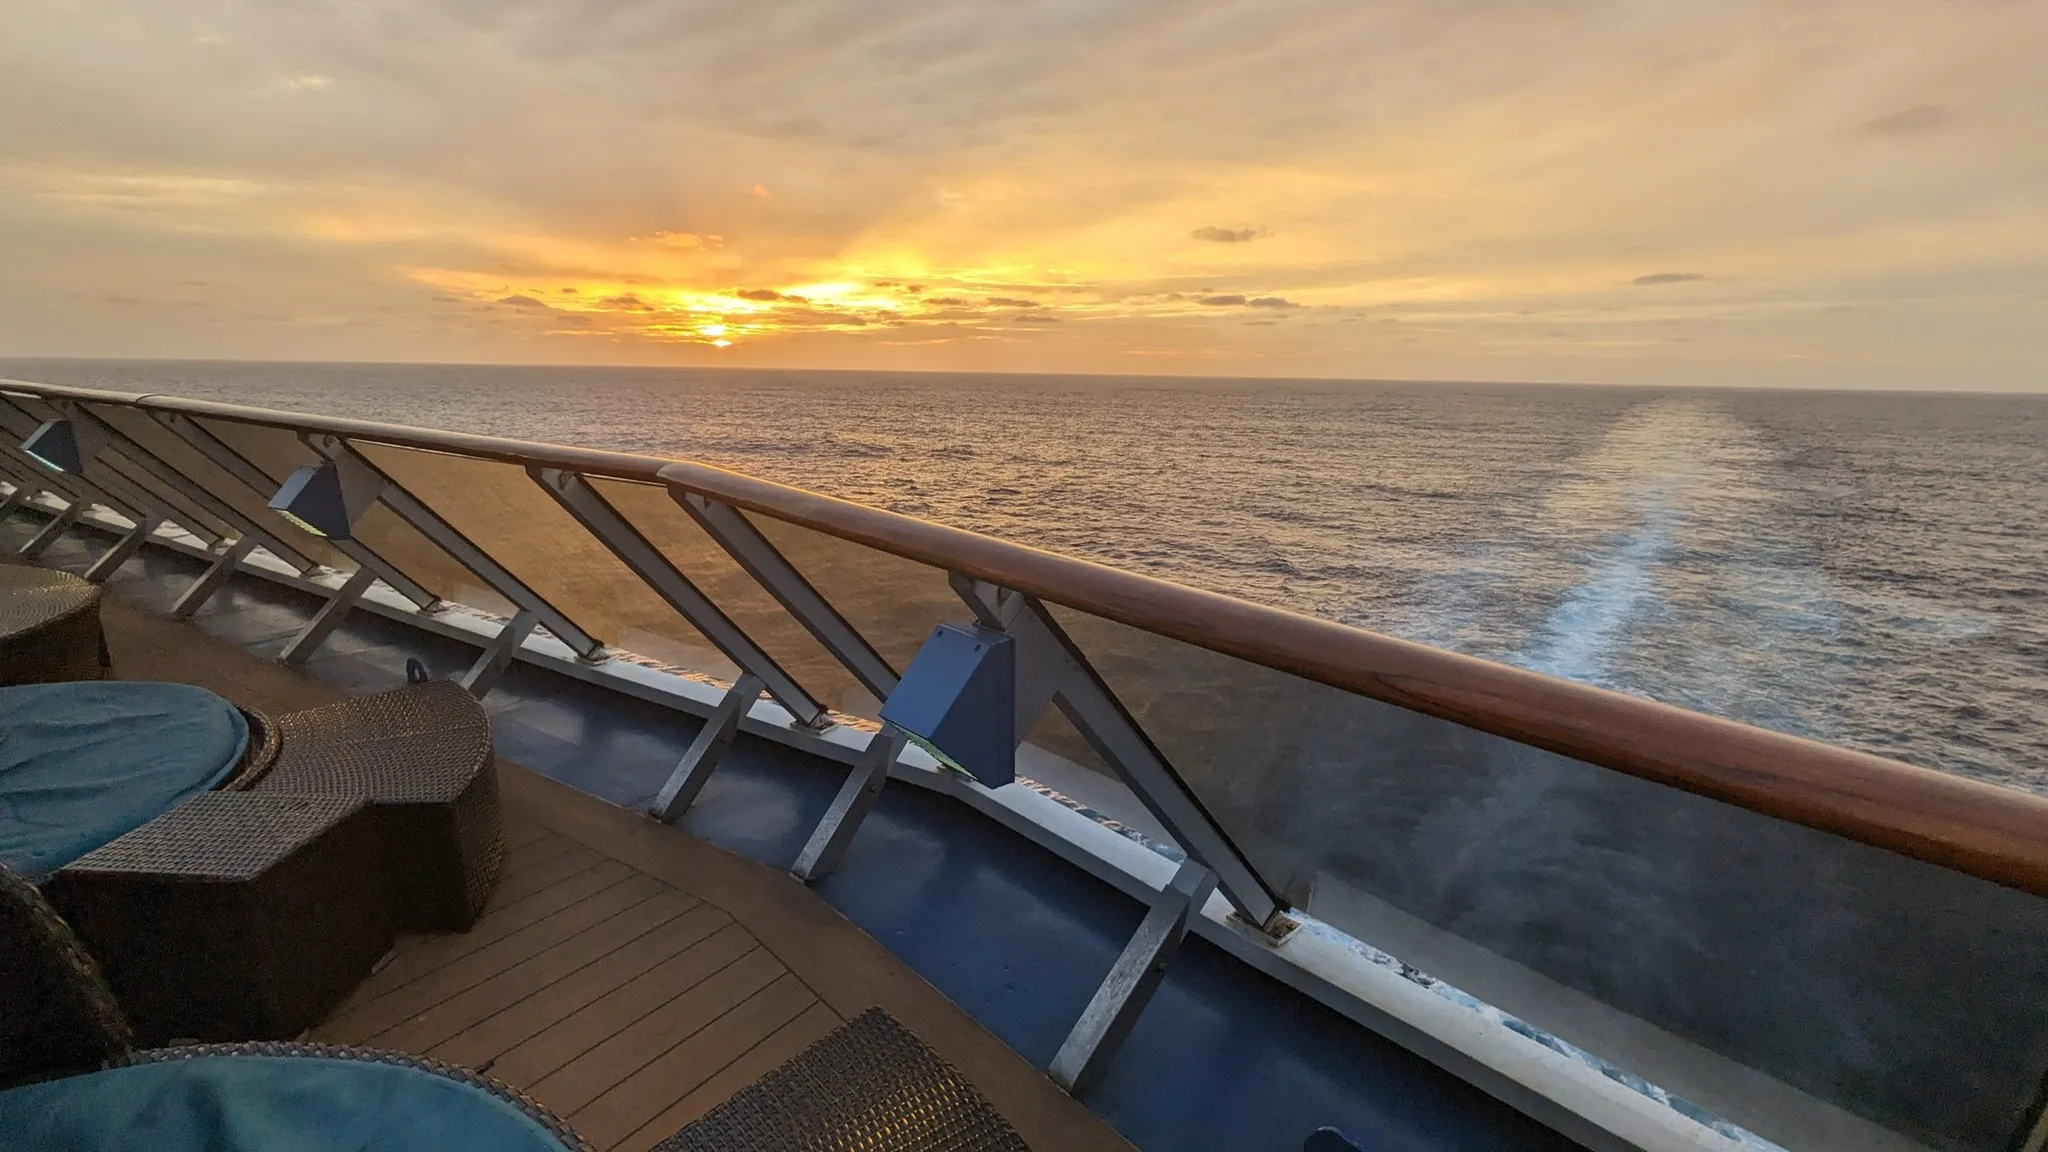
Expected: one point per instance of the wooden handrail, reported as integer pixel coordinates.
(1995, 833)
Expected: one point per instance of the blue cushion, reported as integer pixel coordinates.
(264, 1104)
(81, 764)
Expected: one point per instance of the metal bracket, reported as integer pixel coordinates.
(52, 530)
(773, 572)
(213, 579)
(328, 618)
(836, 828)
(114, 557)
(701, 759)
(496, 657)
(227, 459)
(465, 551)
(1132, 980)
(643, 559)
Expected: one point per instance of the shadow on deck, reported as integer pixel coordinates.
(627, 975)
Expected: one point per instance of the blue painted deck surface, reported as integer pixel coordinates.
(1224, 1057)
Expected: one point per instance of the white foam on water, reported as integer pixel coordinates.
(1642, 478)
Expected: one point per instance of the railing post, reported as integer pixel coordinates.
(1132, 980)
(114, 557)
(465, 552)
(1079, 692)
(773, 572)
(213, 579)
(327, 618)
(52, 530)
(843, 818)
(496, 657)
(597, 516)
(701, 759)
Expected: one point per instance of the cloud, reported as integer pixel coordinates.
(1270, 302)
(519, 301)
(1010, 302)
(947, 302)
(628, 302)
(1216, 235)
(1221, 301)
(759, 294)
(1924, 118)
(1667, 278)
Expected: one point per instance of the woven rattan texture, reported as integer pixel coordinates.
(424, 744)
(555, 1125)
(868, 1086)
(264, 744)
(33, 598)
(420, 744)
(56, 1012)
(220, 836)
(49, 627)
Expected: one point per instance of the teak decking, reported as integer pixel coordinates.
(624, 974)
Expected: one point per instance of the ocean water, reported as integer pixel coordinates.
(1869, 569)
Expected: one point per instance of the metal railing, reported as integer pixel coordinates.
(1832, 924)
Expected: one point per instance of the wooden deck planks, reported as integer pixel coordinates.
(631, 1103)
(491, 1038)
(584, 1028)
(751, 1065)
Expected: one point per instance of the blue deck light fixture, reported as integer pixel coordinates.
(326, 499)
(958, 701)
(57, 445)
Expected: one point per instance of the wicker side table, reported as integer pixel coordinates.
(421, 755)
(869, 1085)
(234, 916)
(49, 627)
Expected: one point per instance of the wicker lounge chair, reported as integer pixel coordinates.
(868, 1086)
(59, 1020)
(49, 627)
(421, 755)
(235, 915)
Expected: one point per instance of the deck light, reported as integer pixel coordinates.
(327, 499)
(58, 445)
(958, 701)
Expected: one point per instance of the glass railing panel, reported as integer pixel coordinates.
(503, 511)
(1815, 990)
(654, 512)
(127, 481)
(895, 603)
(892, 601)
(278, 452)
(168, 448)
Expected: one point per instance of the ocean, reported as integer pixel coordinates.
(1869, 569)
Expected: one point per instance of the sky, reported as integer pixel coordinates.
(1840, 193)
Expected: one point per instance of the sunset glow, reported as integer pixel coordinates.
(1853, 193)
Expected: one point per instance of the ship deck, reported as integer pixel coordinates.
(632, 974)
(626, 975)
